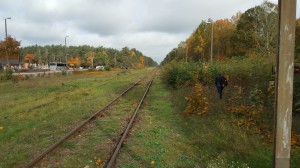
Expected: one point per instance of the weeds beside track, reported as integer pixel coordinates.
(82, 124)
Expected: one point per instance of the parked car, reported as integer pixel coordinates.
(100, 67)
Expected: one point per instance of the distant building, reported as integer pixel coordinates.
(13, 63)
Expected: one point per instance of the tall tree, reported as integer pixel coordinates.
(197, 45)
(235, 18)
(29, 58)
(223, 31)
(90, 58)
(125, 59)
(10, 48)
(256, 30)
(74, 61)
(189, 47)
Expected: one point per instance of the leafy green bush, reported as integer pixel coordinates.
(8, 74)
(256, 96)
(179, 74)
(107, 68)
(197, 101)
(245, 72)
(64, 72)
(242, 71)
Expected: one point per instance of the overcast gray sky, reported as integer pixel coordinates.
(152, 26)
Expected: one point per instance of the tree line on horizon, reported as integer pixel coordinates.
(88, 56)
(85, 55)
(252, 33)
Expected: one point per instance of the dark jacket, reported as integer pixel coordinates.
(221, 81)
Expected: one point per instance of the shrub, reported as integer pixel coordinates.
(177, 77)
(107, 68)
(180, 74)
(197, 101)
(64, 72)
(8, 74)
(244, 72)
(256, 96)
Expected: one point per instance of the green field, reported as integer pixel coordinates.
(38, 111)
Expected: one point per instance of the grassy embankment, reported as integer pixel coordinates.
(165, 137)
(235, 132)
(38, 111)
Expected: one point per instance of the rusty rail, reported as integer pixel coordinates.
(52, 147)
(124, 134)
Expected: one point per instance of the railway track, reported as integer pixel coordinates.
(125, 133)
(80, 127)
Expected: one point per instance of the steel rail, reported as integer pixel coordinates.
(52, 147)
(119, 145)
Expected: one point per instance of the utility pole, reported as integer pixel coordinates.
(66, 49)
(284, 83)
(211, 39)
(7, 61)
(6, 27)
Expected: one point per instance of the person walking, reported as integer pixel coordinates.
(220, 83)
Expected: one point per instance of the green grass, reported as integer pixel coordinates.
(97, 140)
(168, 137)
(160, 135)
(37, 112)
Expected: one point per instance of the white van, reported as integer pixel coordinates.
(100, 67)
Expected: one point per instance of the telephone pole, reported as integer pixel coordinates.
(211, 39)
(284, 83)
(66, 49)
(7, 61)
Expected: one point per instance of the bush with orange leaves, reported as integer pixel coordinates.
(295, 139)
(248, 115)
(197, 103)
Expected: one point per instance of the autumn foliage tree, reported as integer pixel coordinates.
(205, 29)
(196, 44)
(102, 56)
(223, 31)
(11, 48)
(29, 58)
(251, 33)
(74, 61)
(141, 64)
(90, 58)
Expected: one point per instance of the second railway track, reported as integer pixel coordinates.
(55, 158)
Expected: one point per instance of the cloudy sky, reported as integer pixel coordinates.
(152, 26)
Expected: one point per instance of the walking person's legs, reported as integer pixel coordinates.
(220, 92)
